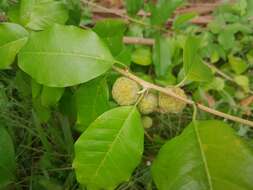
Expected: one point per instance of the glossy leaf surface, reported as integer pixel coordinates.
(64, 56)
(207, 155)
(109, 150)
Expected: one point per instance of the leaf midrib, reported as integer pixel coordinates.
(112, 145)
(203, 157)
(78, 54)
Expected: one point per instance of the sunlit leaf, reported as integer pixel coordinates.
(207, 155)
(109, 150)
(55, 62)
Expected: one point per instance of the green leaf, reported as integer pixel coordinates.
(242, 81)
(194, 68)
(182, 19)
(162, 56)
(92, 99)
(124, 55)
(39, 14)
(36, 89)
(142, 56)
(43, 113)
(207, 155)
(109, 150)
(163, 10)
(133, 6)
(55, 62)
(237, 64)
(250, 8)
(227, 39)
(50, 96)
(7, 159)
(22, 82)
(216, 84)
(12, 38)
(111, 31)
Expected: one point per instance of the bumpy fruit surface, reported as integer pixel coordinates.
(168, 104)
(147, 122)
(125, 91)
(148, 103)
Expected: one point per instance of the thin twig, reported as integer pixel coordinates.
(148, 85)
(224, 75)
(137, 40)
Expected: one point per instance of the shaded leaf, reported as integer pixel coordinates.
(50, 96)
(12, 38)
(207, 155)
(92, 99)
(7, 159)
(53, 62)
(109, 150)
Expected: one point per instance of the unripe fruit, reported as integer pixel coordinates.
(148, 103)
(125, 91)
(147, 122)
(168, 104)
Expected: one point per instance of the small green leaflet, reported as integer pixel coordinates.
(208, 155)
(109, 150)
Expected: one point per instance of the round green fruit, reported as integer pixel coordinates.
(147, 122)
(148, 103)
(168, 104)
(125, 91)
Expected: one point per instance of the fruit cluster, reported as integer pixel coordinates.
(127, 92)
